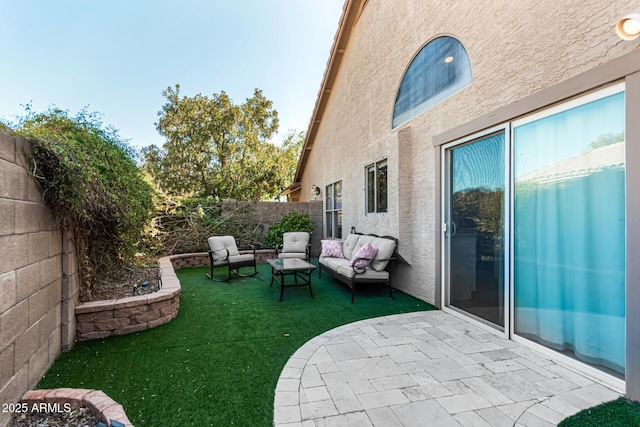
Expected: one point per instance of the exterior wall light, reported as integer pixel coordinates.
(315, 192)
(628, 27)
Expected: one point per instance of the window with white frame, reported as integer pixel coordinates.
(376, 177)
(333, 210)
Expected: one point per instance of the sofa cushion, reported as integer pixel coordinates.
(349, 245)
(331, 248)
(385, 248)
(368, 274)
(363, 257)
(363, 240)
(334, 263)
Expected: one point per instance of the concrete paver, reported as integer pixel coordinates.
(426, 369)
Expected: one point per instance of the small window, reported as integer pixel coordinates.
(440, 69)
(376, 176)
(333, 210)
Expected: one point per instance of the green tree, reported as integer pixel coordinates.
(217, 148)
(88, 176)
(607, 139)
(291, 147)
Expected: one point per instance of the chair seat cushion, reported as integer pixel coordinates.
(292, 255)
(243, 258)
(220, 262)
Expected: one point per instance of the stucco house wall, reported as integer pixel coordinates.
(516, 49)
(38, 279)
(525, 56)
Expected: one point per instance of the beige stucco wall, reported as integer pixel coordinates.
(516, 49)
(37, 301)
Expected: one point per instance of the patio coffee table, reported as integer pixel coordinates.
(296, 267)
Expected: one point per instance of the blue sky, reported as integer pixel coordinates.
(117, 56)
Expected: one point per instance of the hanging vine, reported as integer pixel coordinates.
(87, 175)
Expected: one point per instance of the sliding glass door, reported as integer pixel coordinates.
(545, 240)
(569, 229)
(475, 221)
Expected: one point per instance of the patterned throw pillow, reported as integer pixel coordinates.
(331, 248)
(363, 257)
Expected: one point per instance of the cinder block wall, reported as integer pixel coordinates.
(270, 212)
(38, 279)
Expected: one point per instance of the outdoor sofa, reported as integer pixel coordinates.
(359, 259)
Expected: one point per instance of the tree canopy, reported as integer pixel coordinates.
(217, 148)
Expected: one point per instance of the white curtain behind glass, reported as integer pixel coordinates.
(569, 232)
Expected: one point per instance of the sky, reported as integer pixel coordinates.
(116, 57)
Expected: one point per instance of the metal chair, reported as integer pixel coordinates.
(295, 244)
(223, 251)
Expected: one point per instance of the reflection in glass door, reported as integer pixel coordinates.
(569, 229)
(475, 228)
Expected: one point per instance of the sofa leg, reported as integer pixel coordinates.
(353, 292)
(390, 291)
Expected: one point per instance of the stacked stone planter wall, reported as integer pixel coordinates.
(100, 319)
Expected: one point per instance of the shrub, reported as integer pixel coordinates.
(291, 221)
(97, 193)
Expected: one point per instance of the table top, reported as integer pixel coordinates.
(290, 264)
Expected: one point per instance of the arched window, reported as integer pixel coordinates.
(440, 69)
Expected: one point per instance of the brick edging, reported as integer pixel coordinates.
(102, 406)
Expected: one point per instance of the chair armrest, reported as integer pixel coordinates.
(219, 258)
(362, 270)
(251, 247)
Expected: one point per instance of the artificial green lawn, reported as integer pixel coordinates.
(218, 362)
(617, 413)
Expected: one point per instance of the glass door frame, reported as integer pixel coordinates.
(446, 229)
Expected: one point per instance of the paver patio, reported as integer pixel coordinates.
(426, 369)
